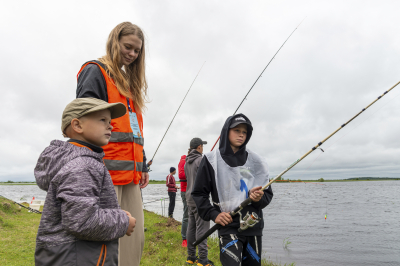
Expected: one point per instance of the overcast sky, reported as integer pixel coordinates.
(343, 56)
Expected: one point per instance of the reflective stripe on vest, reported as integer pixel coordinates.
(124, 153)
(116, 165)
(125, 137)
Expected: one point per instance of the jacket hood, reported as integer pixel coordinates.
(55, 157)
(193, 155)
(183, 157)
(239, 158)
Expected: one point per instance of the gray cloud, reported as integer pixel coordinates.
(341, 58)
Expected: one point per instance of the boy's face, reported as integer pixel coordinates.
(94, 128)
(237, 135)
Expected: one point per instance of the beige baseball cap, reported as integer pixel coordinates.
(83, 106)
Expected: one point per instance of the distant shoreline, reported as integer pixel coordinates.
(15, 183)
(315, 181)
(277, 181)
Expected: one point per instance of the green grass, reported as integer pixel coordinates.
(286, 243)
(163, 243)
(157, 182)
(18, 230)
(19, 184)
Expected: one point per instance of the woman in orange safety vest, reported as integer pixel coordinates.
(119, 76)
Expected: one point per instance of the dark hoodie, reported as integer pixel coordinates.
(205, 184)
(191, 166)
(81, 220)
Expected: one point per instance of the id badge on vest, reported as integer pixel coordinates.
(134, 123)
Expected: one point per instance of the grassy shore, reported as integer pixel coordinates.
(163, 243)
(18, 230)
(20, 184)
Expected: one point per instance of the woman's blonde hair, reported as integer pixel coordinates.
(131, 83)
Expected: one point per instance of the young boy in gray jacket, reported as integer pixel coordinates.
(81, 220)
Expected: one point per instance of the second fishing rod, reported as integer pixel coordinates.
(251, 220)
(175, 114)
(262, 72)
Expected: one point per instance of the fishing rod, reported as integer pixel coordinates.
(248, 200)
(261, 75)
(32, 210)
(177, 112)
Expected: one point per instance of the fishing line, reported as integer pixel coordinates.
(165, 212)
(177, 111)
(362, 121)
(152, 201)
(368, 117)
(304, 172)
(261, 75)
(162, 212)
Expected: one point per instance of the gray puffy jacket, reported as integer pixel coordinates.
(81, 220)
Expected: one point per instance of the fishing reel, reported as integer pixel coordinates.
(249, 220)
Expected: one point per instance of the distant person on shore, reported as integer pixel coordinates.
(197, 226)
(81, 221)
(172, 189)
(232, 174)
(182, 179)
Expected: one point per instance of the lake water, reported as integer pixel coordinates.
(362, 225)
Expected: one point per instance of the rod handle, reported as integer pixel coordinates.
(241, 206)
(218, 226)
(207, 234)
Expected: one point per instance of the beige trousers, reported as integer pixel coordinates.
(131, 247)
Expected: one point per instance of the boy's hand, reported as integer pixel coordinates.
(223, 218)
(131, 227)
(128, 213)
(176, 187)
(256, 194)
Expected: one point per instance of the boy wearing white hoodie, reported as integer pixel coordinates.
(231, 174)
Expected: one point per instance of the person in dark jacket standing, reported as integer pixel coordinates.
(197, 226)
(231, 174)
(172, 189)
(185, 218)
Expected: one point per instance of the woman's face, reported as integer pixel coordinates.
(130, 46)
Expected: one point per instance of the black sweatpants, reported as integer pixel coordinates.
(171, 207)
(238, 250)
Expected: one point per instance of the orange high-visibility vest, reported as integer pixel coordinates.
(124, 153)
